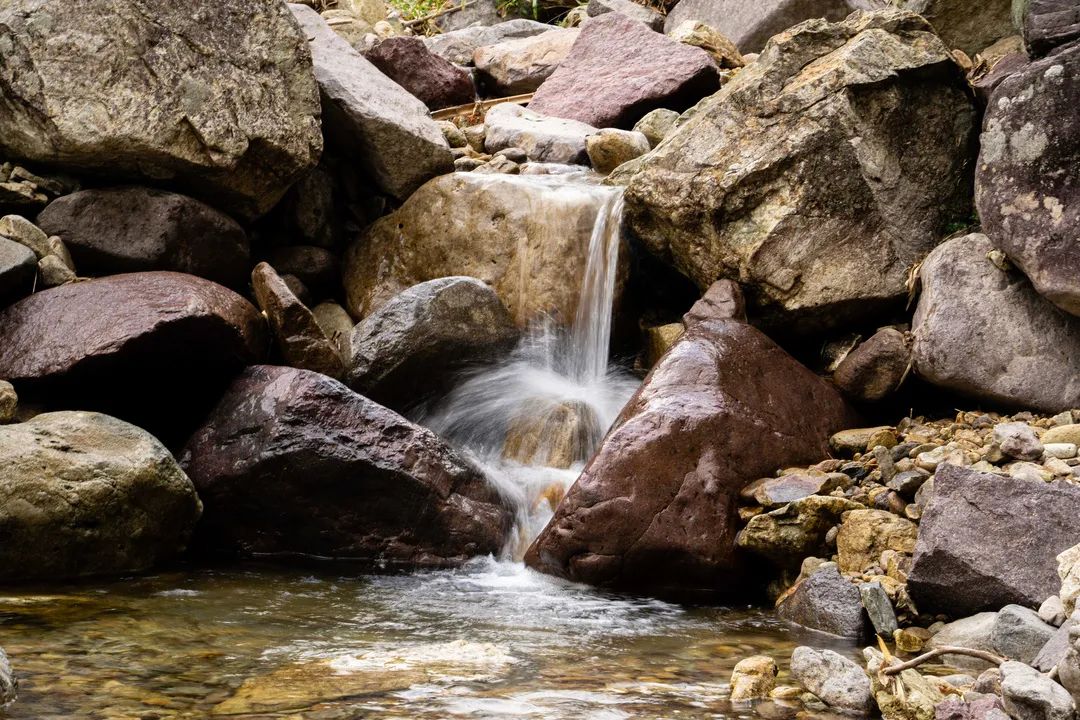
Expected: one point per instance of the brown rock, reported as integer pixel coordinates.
(875, 369)
(865, 534)
(698, 34)
(316, 267)
(552, 435)
(1048, 24)
(722, 301)
(436, 81)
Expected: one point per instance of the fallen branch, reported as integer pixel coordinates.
(438, 13)
(944, 650)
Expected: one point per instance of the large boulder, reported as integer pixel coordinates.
(437, 82)
(132, 229)
(968, 25)
(819, 175)
(86, 494)
(527, 237)
(1027, 189)
(1047, 24)
(826, 602)
(544, 139)
(219, 102)
(960, 565)
(153, 347)
(415, 344)
(619, 69)
(368, 118)
(522, 64)
(292, 462)
(631, 9)
(458, 46)
(655, 510)
(983, 331)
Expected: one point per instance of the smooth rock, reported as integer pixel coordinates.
(518, 66)
(656, 125)
(26, 233)
(1019, 633)
(1030, 695)
(1056, 650)
(630, 9)
(835, 680)
(1068, 433)
(18, 267)
(968, 25)
(437, 82)
(874, 369)
(609, 148)
(544, 139)
(1048, 24)
(865, 534)
(972, 632)
(458, 46)
(336, 324)
(754, 677)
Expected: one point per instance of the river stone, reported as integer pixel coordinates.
(131, 229)
(525, 237)
(368, 118)
(1019, 633)
(656, 125)
(458, 46)
(959, 565)
(865, 534)
(655, 510)
(544, 139)
(1030, 695)
(414, 345)
(630, 9)
(517, 66)
(437, 82)
(219, 102)
(1048, 24)
(610, 148)
(619, 69)
(1028, 350)
(826, 602)
(874, 369)
(155, 347)
(1027, 193)
(293, 462)
(753, 678)
(878, 608)
(970, 632)
(968, 25)
(1018, 440)
(86, 494)
(796, 530)
(18, 266)
(834, 679)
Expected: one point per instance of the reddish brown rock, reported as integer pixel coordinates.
(655, 509)
(875, 369)
(292, 462)
(619, 69)
(1048, 24)
(437, 82)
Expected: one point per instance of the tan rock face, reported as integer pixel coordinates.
(968, 25)
(865, 534)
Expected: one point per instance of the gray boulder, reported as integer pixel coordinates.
(1056, 649)
(826, 602)
(1019, 633)
(544, 139)
(971, 632)
(18, 266)
(520, 65)
(1030, 695)
(834, 679)
(629, 8)
(1047, 24)
(458, 46)
(969, 25)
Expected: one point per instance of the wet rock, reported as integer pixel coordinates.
(698, 34)
(291, 462)
(554, 435)
(835, 680)
(437, 82)
(796, 530)
(86, 494)
(1028, 200)
(618, 70)
(1019, 633)
(961, 567)
(628, 8)
(517, 66)
(971, 632)
(132, 229)
(968, 302)
(610, 147)
(656, 125)
(969, 25)
(865, 534)
(368, 118)
(236, 112)
(18, 267)
(542, 138)
(458, 46)
(874, 369)
(1048, 24)
(754, 677)
(882, 78)
(825, 602)
(414, 345)
(9, 402)
(722, 301)
(878, 608)
(1030, 695)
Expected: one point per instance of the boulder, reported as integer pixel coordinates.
(961, 567)
(970, 632)
(865, 534)
(796, 530)
(875, 369)
(517, 66)
(826, 602)
(526, 237)
(293, 462)
(86, 494)
(1047, 24)
(458, 46)
(655, 510)
(656, 125)
(413, 346)
(1019, 633)
(1028, 351)
(544, 139)
(132, 229)
(610, 148)
(220, 102)
(368, 118)
(630, 9)
(18, 267)
(968, 25)
(155, 347)
(1027, 193)
(619, 69)
(1030, 695)
(834, 679)
(819, 175)
(437, 82)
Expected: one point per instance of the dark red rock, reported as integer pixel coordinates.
(984, 86)
(619, 69)
(655, 510)
(436, 81)
(875, 369)
(1047, 24)
(292, 462)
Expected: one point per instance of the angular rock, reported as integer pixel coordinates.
(543, 139)
(220, 103)
(18, 266)
(1068, 567)
(1018, 440)
(1048, 24)
(619, 69)
(630, 9)
(826, 602)
(910, 696)
(52, 272)
(1029, 350)
(865, 534)
(791, 487)
(414, 345)
(1054, 652)
(1069, 668)
(971, 632)
(655, 508)
(874, 369)
(698, 34)
(878, 608)
(834, 679)
(517, 66)
(860, 136)
(968, 25)
(796, 530)
(754, 677)
(9, 401)
(26, 233)
(1019, 633)
(1030, 695)
(985, 85)
(368, 118)
(292, 462)
(132, 229)
(656, 125)
(1052, 611)
(610, 148)
(959, 565)
(458, 46)
(722, 301)
(86, 494)
(437, 82)
(982, 708)
(1027, 194)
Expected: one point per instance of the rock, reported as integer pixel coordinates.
(524, 238)
(1069, 668)
(1027, 197)
(1030, 695)
(1048, 24)
(316, 267)
(792, 486)
(369, 119)
(754, 677)
(618, 70)
(1018, 440)
(860, 440)
(960, 567)
(967, 25)
(722, 301)
(1054, 652)
(85, 494)
(911, 640)
(543, 139)
(1052, 611)
(610, 147)
(874, 369)
(983, 708)
(552, 434)
(292, 462)
(300, 339)
(971, 632)
(877, 83)
(1068, 568)
(18, 267)
(9, 684)
(796, 530)
(825, 602)
(1019, 633)
(656, 125)
(517, 66)
(437, 82)
(453, 135)
(1069, 433)
(132, 344)
(26, 233)
(481, 12)
(499, 164)
(907, 696)
(630, 9)
(698, 34)
(336, 324)
(1026, 355)
(985, 85)
(458, 46)
(52, 272)
(655, 508)
(9, 402)
(659, 339)
(878, 608)
(132, 229)
(235, 110)
(414, 345)
(865, 534)
(835, 680)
